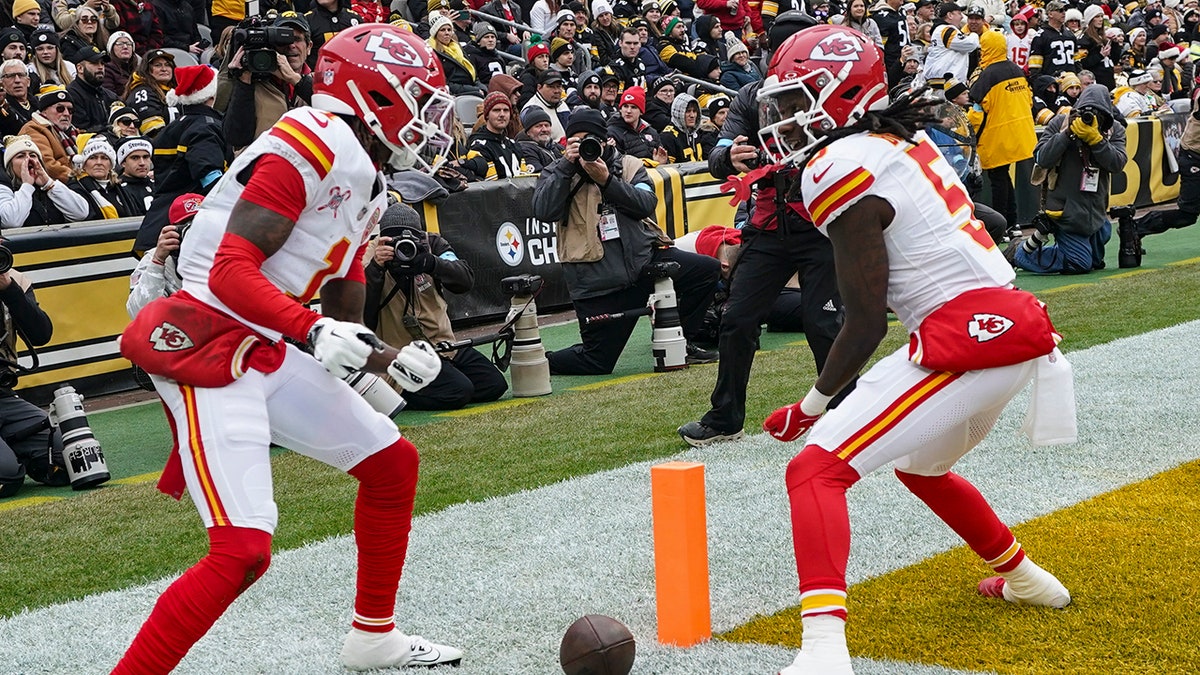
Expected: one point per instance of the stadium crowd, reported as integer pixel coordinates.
(90, 87)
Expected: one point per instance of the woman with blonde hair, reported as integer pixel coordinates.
(856, 18)
(30, 196)
(84, 28)
(460, 74)
(47, 65)
(96, 181)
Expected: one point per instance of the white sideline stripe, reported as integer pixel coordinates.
(43, 277)
(504, 577)
(74, 354)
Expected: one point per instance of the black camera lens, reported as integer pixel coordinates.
(1087, 116)
(406, 249)
(590, 148)
(6, 259)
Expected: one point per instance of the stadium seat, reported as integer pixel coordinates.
(466, 108)
(205, 33)
(182, 57)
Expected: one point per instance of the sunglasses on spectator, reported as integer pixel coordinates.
(127, 121)
(87, 19)
(62, 107)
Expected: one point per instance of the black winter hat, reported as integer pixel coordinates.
(399, 216)
(587, 119)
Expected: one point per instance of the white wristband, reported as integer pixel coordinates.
(814, 402)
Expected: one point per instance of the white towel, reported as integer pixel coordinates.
(1050, 419)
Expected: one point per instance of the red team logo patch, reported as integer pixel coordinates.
(336, 199)
(984, 327)
(167, 337)
(836, 47)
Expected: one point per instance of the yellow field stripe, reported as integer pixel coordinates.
(28, 501)
(1127, 556)
(490, 407)
(615, 380)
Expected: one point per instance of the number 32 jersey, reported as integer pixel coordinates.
(936, 248)
(343, 200)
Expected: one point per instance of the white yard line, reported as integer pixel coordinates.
(503, 578)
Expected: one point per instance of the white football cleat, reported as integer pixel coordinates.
(372, 651)
(1032, 586)
(807, 664)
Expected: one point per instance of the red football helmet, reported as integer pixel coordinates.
(390, 79)
(819, 79)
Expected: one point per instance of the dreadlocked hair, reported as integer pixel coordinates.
(903, 118)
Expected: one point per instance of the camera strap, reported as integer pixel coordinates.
(20, 369)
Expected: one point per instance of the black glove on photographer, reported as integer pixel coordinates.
(423, 262)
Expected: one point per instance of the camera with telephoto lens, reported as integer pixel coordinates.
(523, 285)
(590, 148)
(408, 244)
(6, 259)
(260, 44)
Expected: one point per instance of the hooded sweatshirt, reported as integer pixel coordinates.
(681, 141)
(1061, 153)
(1003, 125)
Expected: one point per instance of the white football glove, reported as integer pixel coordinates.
(415, 366)
(342, 347)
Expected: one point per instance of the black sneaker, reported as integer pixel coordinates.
(697, 355)
(698, 434)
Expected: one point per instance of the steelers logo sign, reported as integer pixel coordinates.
(837, 47)
(510, 245)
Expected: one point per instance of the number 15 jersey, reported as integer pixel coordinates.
(936, 248)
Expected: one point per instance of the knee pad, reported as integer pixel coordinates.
(242, 553)
(816, 463)
(391, 467)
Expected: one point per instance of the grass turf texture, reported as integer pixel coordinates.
(1125, 555)
(113, 538)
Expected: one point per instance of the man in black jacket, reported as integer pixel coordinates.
(135, 162)
(257, 101)
(777, 242)
(28, 444)
(190, 154)
(893, 26)
(491, 154)
(605, 244)
(536, 142)
(92, 101)
(405, 301)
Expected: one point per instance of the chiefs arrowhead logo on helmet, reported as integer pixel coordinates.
(167, 337)
(837, 47)
(984, 327)
(388, 48)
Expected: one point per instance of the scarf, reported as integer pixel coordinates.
(455, 52)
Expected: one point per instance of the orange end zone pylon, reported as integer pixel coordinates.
(680, 553)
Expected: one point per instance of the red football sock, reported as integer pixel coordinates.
(960, 505)
(817, 482)
(237, 556)
(382, 520)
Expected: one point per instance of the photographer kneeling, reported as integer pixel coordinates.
(602, 201)
(407, 270)
(28, 444)
(269, 76)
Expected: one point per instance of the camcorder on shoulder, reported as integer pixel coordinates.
(260, 44)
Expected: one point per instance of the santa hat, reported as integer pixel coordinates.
(635, 96)
(1169, 51)
(193, 84)
(185, 207)
(709, 241)
(15, 144)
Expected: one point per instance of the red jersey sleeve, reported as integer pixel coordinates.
(277, 186)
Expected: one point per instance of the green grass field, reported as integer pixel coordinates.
(132, 533)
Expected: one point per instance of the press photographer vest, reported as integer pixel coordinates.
(579, 235)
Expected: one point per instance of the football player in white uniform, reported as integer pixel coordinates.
(904, 237)
(290, 219)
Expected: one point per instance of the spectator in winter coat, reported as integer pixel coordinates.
(710, 39)
(460, 74)
(147, 91)
(85, 29)
(1003, 126)
(536, 142)
(631, 135)
(96, 181)
(135, 156)
(47, 63)
(51, 129)
(328, 18)
(491, 153)
(122, 61)
(482, 53)
(738, 71)
(674, 50)
(32, 196)
(92, 101)
(681, 138)
(657, 112)
(19, 104)
(538, 58)
(734, 15)
(548, 97)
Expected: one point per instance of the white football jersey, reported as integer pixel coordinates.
(936, 248)
(344, 199)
